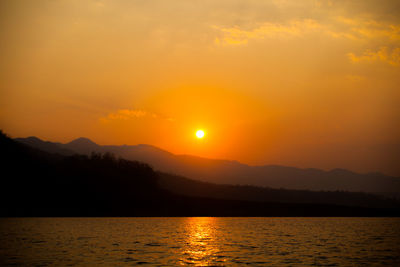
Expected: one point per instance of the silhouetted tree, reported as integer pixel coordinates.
(37, 183)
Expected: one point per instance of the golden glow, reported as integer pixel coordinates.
(202, 241)
(301, 83)
(200, 134)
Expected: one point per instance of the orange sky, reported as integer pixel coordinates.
(301, 83)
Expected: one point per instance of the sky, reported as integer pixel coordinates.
(311, 84)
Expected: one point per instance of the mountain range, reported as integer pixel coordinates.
(39, 183)
(230, 172)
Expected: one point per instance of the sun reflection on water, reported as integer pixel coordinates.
(201, 248)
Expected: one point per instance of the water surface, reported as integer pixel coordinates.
(200, 241)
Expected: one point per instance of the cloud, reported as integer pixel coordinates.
(238, 36)
(375, 40)
(354, 29)
(126, 114)
(384, 54)
(130, 114)
(383, 37)
(363, 29)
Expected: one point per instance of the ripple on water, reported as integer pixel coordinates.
(200, 241)
(153, 244)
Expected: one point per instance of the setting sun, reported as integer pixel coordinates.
(159, 119)
(259, 82)
(200, 134)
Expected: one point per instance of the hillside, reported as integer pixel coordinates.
(38, 183)
(188, 187)
(233, 172)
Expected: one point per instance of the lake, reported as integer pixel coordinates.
(200, 241)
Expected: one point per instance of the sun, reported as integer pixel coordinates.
(199, 134)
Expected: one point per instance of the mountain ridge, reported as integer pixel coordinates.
(233, 172)
(45, 184)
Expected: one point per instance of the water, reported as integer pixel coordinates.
(200, 241)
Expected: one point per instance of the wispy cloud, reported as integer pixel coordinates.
(370, 29)
(384, 54)
(126, 114)
(238, 36)
(355, 29)
(377, 41)
(131, 114)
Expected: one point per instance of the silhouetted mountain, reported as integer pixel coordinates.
(83, 146)
(37, 183)
(233, 172)
(188, 187)
(56, 148)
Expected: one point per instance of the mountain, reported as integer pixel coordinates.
(188, 187)
(38, 183)
(46, 146)
(82, 145)
(233, 172)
